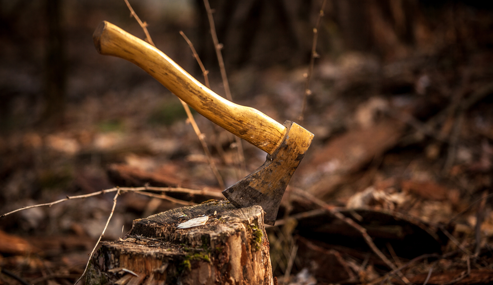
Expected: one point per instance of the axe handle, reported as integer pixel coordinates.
(244, 122)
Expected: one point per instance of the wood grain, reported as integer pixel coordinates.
(245, 122)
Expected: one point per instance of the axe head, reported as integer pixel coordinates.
(266, 186)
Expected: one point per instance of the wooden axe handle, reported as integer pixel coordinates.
(245, 122)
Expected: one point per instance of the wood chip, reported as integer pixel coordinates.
(200, 221)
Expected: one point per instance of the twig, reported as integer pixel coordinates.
(14, 276)
(314, 55)
(356, 226)
(218, 47)
(426, 129)
(204, 144)
(292, 256)
(143, 25)
(465, 104)
(393, 254)
(454, 139)
(224, 77)
(204, 191)
(298, 216)
(428, 276)
(138, 190)
(469, 207)
(412, 261)
(191, 119)
(416, 259)
(463, 274)
(454, 240)
(166, 197)
(101, 236)
(205, 72)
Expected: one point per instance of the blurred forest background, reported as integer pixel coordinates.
(401, 109)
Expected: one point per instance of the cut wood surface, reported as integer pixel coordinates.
(230, 248)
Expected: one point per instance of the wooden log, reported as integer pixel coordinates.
(230, 248)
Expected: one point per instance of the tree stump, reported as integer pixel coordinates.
(230, 248)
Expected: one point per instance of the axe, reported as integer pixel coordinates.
(285, 144)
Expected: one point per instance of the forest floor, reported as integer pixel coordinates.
(403, 148)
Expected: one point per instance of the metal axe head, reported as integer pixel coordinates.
(266, 186)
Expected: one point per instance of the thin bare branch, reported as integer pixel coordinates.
(204, 144)
(102, 234)
(471, 205)
(382, 280)
(166, 197)
(454, 140)
(292, 256)
(191, 119)
(13, 276)
(314, 55)
(218, 47)
(298, 216)
(205, 72)
(138, 190)
(354, 225)
(454, 240)
(463, 274)
(428, 276)
(143, 25)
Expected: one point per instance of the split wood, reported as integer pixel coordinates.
(191, 119)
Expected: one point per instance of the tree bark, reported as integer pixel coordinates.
(231, 248)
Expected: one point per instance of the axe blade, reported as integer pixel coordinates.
(266, 186)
